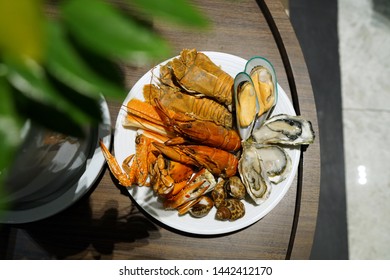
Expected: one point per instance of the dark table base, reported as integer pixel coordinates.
(315, 24)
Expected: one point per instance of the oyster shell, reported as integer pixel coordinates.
(285, 129)
(253, 174)
(276, 161)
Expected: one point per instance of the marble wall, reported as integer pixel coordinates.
(364, 45)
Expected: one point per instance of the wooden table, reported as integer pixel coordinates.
(105, 224)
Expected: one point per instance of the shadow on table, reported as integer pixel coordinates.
(75, 233)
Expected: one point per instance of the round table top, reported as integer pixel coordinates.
(107, 224)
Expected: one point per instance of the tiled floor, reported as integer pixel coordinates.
(364, 38)
(364, 54)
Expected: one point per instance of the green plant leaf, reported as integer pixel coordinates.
(10, 126)
(106, 31)
(180, 11)
(86, 104)
(30, 79)
(66, 64)
(47, 116)
(21, 28)
(103, 66)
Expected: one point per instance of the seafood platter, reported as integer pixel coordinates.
(208, 142)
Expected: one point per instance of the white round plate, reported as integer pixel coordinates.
(94, 166)
(124, 145)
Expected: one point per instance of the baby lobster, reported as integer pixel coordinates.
(135, 168)
(199, 131)
(196, 73)
(218, 162)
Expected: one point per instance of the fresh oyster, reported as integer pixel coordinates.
(276, 161)
(253, 174)
(247, 104)
(285, 129)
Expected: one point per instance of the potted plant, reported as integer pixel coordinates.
(56, 62)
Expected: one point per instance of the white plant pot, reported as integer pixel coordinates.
(51, 170)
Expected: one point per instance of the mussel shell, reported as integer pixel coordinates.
(261, 62)
(240, 81)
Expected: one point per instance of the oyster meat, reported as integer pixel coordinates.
(276, 161)
(253, 174)
(285, 129)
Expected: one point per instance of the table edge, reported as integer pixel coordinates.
(304, 222)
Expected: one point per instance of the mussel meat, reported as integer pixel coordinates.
(247, 104)
(263, 77)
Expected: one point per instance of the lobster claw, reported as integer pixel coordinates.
(175, 153)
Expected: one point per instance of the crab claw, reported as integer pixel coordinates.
(198, 208)
(202, 183)
(126, 178)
